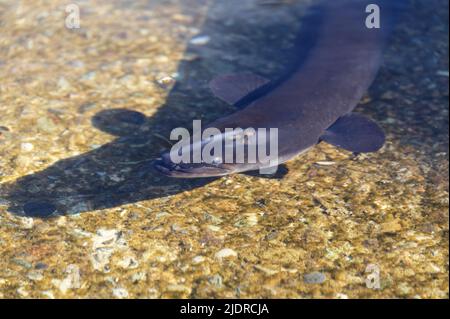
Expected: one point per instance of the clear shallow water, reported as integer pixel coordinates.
(126, 231)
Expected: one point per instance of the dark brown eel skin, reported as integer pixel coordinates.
(314, 100)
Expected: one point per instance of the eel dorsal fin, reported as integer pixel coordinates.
(232, 88)
(355, 133)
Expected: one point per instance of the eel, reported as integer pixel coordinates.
(338, 58)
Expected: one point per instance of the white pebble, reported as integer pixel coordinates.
(200, 40)
(120, 293)
(166, 81)
(226, 252)
(442, 73)
(325, 163)
(26, 147)
(198, 259)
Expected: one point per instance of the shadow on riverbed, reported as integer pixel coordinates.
(121, 172)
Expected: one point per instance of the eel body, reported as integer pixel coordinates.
(314, 100)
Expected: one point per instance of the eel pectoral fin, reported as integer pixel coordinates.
(232, 88)
(355, 133)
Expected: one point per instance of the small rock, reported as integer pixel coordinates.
(325, 163)
(190, 57)
(35, 275)
(27, 222)
(120, 293)
(213, 228)
(198, 259)
(225, 253)
(129, 262)
(403, 289)
(46, 125)
(266, 270)
(166, 82)
(391, 226)
(200, 40)
(104, 243)
(72, 281)
(432, 268)
(63, 84)
(89, 76)
(23, 263)
(22, 291)
(216, 281)
(26, 147)
(179, 288)
(139, 276)
(48, 294)
(86, 107)
(314, 278)
(40, 266)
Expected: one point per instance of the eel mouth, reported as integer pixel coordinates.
(184, 170)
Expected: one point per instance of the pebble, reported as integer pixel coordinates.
(23, 263)
(266, 270)
(190, 57)
(200, 40)
(39, 209)
(213, 228)
(86, 107)
(139, 276)
(178, 288)
(120, 293)
(40, 266)
(391, 226)
(71, 281)
(314, 278)
(35, 275)
(129, 262)
(442, 73)
(46, 125)
(325, 163)
(198, 259)
(89, 76)
(48, 294)
(104, 243)
(166, 82)
(225, 253)
(26, 147)
(63, 84)
(76, 64)
(23, 292)
(4, 132)
(216, 280)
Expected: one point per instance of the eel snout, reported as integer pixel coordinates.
(189, 170)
